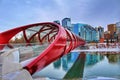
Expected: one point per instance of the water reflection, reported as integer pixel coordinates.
(76, 71)
(92, 59)
(84, 65)
(57, 64)
(113, 58)
(66, 61)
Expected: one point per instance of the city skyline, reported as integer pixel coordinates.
(93, 12)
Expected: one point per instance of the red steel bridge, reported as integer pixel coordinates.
(60, 42)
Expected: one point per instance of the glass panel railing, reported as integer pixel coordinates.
(18, 38)
(31, 31)
(28, 52)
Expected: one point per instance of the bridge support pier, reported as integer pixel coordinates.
(10, 68)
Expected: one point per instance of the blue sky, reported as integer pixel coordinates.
(14, 13)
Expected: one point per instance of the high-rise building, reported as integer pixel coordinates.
(118, 31)
(118, 27)
(57, 21)
(118, 37)
(111, 28)
(66, 23)
(107, 36)
(100, 31)
(113, 35)
(85, 31)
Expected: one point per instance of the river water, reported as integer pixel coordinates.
(84, 66)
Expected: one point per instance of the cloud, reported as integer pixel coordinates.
(93, 12)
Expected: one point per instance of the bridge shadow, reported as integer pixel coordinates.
(76, 71)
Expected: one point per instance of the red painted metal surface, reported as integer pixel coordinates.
(61, 42)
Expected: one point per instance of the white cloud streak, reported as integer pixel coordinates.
(15, 13)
